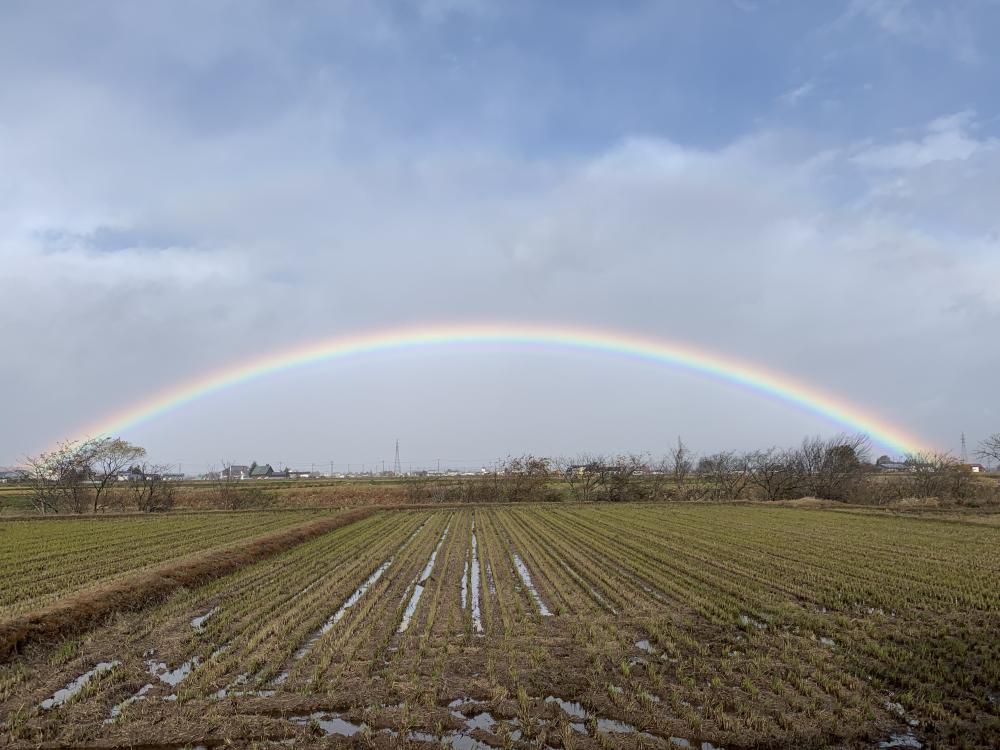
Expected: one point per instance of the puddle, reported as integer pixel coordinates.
(645, 645)
(522, 570)
(171, 677)
(240, 680)
(418, 588)
(243, 679)
(747, 621)
(577, 727)
(609, 726)
(465, 585)
(339, 614)
(679, 742)
(139, 696)
(901, 740)
(159, 671)
(477, 615)
(411, 608)
(573, 709)
(457, 740)
(61, 696)
(896, 708)
(198, 623)
(828, 642)
(331, 724)
(484, 721)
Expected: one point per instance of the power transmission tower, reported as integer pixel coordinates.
(396, 468)
(965, 453)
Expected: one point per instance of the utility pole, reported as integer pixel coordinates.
(331, 469)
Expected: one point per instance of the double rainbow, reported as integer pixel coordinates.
(683, 356)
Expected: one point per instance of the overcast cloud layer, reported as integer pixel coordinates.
(810, 186)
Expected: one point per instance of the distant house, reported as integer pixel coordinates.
(595, 468)
(975, 468)
(12, 476)
(261, 471)
(235, 472)
(884, 463)
(304, 475)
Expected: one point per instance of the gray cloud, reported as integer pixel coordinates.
(152, 233)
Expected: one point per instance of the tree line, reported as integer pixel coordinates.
(837, 468)
(107, 473)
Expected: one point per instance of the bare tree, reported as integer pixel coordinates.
(618, 478)
(61, 478)
(940, 475)
(772, 473)
(679, 462)
(148, 491)
(230, 495)
(989, 449)
(108, 458)
(582, 480)
(728, 474)
(524, 478)
(831, 469)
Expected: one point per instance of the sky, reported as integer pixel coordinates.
(812, 187)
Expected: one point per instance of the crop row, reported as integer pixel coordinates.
(43, 559)
(571, 626)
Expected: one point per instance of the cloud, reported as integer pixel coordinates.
(933, 25)
(946, 139)
(256, 191)
(793, 96)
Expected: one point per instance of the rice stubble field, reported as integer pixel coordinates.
(728, 626)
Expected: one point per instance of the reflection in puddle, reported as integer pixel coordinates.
(171, 677)
(465, 585)
(611, 725)
(198, 623)
(484, 721)
(418, 589)
(157, 669)
(522, 570)
(61, 696)
(331, 724)
(337, 616)
(573, 709)
(748, 621)
(477, 616)
(456, 740)
(139, 696)
(901, 740)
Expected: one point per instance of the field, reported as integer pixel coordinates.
(43, 559)
(563, 626)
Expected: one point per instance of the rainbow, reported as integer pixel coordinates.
(657, 351)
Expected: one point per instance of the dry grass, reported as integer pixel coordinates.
(88, 607)
(746, 626)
